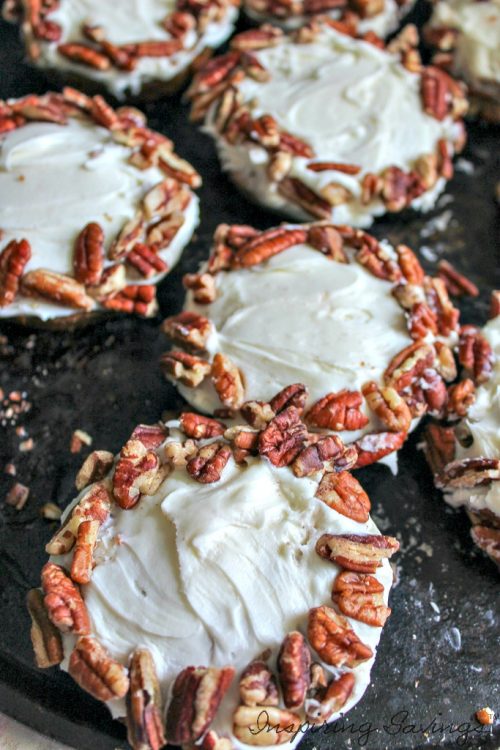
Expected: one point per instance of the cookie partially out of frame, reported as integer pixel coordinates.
(465, 456)
(357, 322)
(322, 123)
(467, 35)
(138, 48)
(95, 208)
(204, 591)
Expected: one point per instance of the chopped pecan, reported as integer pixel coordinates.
(145, 260)
(408, 295)
(199, 427)
(131, 232)
(178, 454)
(280, 164)
(267, 244)
(215, 71)
(389, 407)
(439, 446)
(475, 354)
(334, 640)
(56, 287)
(488, 540)
(96, 672)
(293, 395)
(439, 301)
(17, 496)
(485, 715)
(227, 381)
(297, 192)
(445, 362)
(93, 506)
(186, 368)
(294, 662)
(335, 193)
(375, 445)
(290, 144)
(257, 413)
(144, 705)
(159, 200)
(361, 597)
(254, 39)
(456, 283)
(250, 721)
(327, 240)
(243, 439)
(89, 255)
(83, 555)
(188, 328)
(331, 699)
(338, 411)
(258, 685)
(94, 468)
(45, 637)
(140, 299)
(428, 394)
(84, 54)
(209, 462)
(178, 169)
(422, 321)
(196, 696)
(469, 472)
(63, 601)
(461, 396)
(150, 435)
(441, 95)
(161, 234)
(283, 438)
(408, 365)
(138, 472)
(343, 493)
(202, 285)
(362, 553)
(13, 260)
(113, 280)
(376, 259)
(326, 454)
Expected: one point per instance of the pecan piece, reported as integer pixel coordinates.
(374, 446)
(334, 640)
(254, 39)
(56, 287)
(439, 446)
(329, 700)
(131, 232)
(227, 381)
(96, 672)
(338, 411)
(461, 396)
(13, 260)
(475, 354)
(293, 395)
(94, 468)
(84, 54)
(83, 555)
(422, 320)
(89, 255)
(488, 540)
(63, 601)
(494, 304)
(145, 260)
(410, 265)
(361, 597)
(456, 283)
(45, 637)
(267, 244)
(469, 472)
(199, 427)
(343, 493)
(294, 663)
(297, 192)
(144, 705)
(258, 414)
(186, 368)
(196, 696)
(188, 328)
(209, 462)
(258, 685)
(202, 285)
(362, 553)
(140, 299)
(439, 301)
(264, 726)
(138, 472)
(445, 362)
(327, 240)
(389, 407)
(326, 454)
(406, 366)
(94, 506)
(283, 438)
(150, 435)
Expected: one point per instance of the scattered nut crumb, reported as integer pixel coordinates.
(10, 468)
(26, 445)
(78, 439)
(50, 511)
(21, 431)
(485, 715)
(17, 496)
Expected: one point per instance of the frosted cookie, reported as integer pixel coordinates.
(357, 322)
(203, 590)
(380, 16)
(467, 35)
(95, 208)
(466, 458)
(132, 48)
(323, 124)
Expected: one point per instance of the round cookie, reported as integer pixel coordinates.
(139, 48)
(467, 35)
(202, 576)
(324, 305)
(466, 458)
(95, 208)
(321, 123)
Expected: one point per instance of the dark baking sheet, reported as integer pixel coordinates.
(438, 661)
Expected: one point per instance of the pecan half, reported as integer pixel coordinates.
(410, 265)
(327, 240)
(360, 597)
(45, 637)
(293, 395)
(199, 427)
(439, 301)
(138, 472)
(89, 255)
(326, 454)
(144, 705)
(186, 368)
(422, 320)
(295, 191)
(196, 696)
(85, 55)
(13, 260)
(338, 411)
(334, 640)
(261, 726)
(456, 283)
(150, 435)
(376, 259)
(488, 540)
(469, 472)
(283, 438)
(343, 493)
(461, 396)
(374, 446)
(254, 39)
(445, 362)
(228, 381)
(83, 555)
(362, 553)
(330, 700)
(56, 287)
(63, 601)
(188, 328)
(389, 407)
(96, 672)
(209, 462)
(145, 260)
(202, 285)
(406, 366)
(475, 354)
(258, 685)
(267, 244)
(294, 663)
(439, 446)
(93, 506)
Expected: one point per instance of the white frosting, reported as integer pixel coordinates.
(483, 424)
(353, 104)
(476, 56)
(302, 318)
(214, 574)
(128, 22)
(56, 179)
